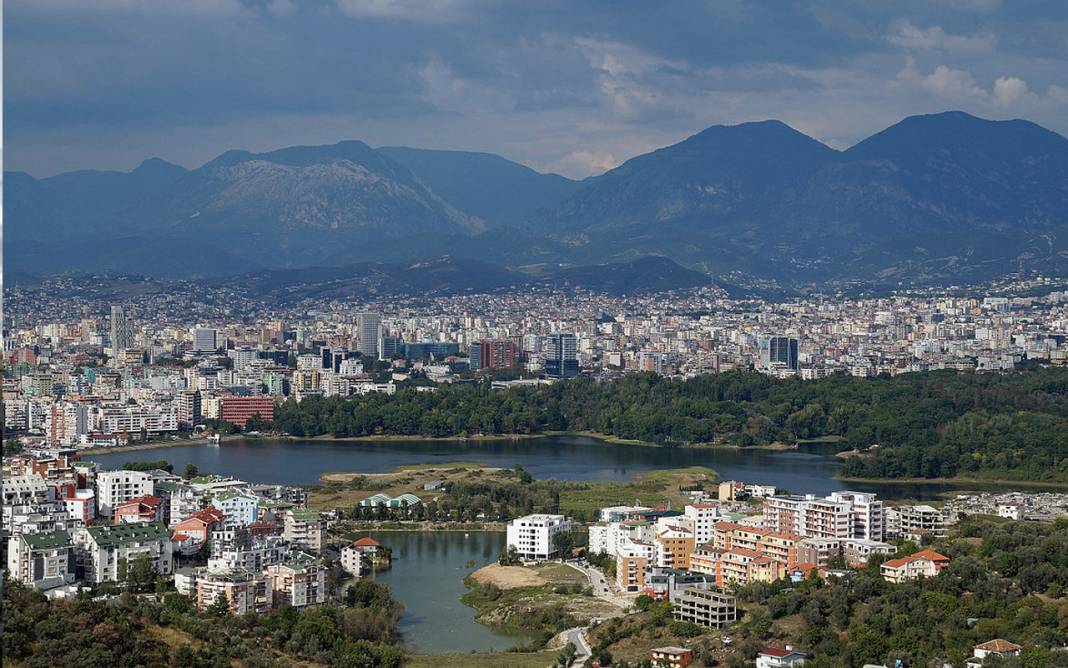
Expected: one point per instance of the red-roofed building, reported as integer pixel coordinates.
(198, 526)
(925, 563)
(670, 657)
(997, 647)
(779, 657)
(139, 509)
(367, 545)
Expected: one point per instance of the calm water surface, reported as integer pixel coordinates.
(427, 576)
(810, 471)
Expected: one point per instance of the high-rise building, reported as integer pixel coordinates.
(242, 357)
(840, 515)
(122, 330)
(389, 347)
(189, 411)
(778, 352)
(561, 356)
(368, 329)
(205, 340)
(493, 354)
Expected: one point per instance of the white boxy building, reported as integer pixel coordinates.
(532, 536)
(114, 487)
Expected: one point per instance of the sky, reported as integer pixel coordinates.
(573, 87)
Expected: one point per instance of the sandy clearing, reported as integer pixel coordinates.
(508, 577)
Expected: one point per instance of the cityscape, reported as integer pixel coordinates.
(472, 334)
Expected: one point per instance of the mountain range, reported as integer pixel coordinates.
(935, 198)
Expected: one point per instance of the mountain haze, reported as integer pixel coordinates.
(941, 197)
(485, 185)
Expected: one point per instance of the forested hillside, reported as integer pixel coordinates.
(1006, 580)
(937, 424)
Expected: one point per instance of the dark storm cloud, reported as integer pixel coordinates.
(575, 87)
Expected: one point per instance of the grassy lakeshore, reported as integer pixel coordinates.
(645, 444)
(415, 437)
(963, 482)
(386, 438)
(666, 486)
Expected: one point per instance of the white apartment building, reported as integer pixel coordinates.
(703, 518)
(244, 591)
(105, 552)
(81, 506)
(24, 490)
(866, 513)
(620, 513)
(304, 528)
(532, 536)
(351, 560)
(114, 487)
(257, 553)
(41, 560)
(607, 537)
(840, 515)
(299, 581)
(135, 419)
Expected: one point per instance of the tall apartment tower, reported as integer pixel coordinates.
(189, 411)
(779, 352)
(493, 354)
(561, 356)
(122, 330)
(368, 329)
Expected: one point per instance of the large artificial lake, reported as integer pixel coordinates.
(429, 568)
(302, 462)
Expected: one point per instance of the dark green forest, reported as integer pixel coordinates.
(129, 630)
(925, 425)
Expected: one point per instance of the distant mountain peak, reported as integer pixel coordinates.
(935, 196)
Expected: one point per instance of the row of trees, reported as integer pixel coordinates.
(933, 424)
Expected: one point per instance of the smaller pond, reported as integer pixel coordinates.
(427, 577)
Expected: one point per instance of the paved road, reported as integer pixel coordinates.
(577, 638)
(603, 588)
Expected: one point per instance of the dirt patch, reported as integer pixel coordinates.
(508, 577)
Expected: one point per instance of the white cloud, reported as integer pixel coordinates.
(1008, 90)
(182, 7)
(281, 8)
(407, 10)
(948, 82)
(944, 81)
(909, 36)
(631, 81)
(579, 164)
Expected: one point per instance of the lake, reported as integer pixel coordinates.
(427, 576)
(301, 462)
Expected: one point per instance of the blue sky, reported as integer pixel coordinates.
(571, 87)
